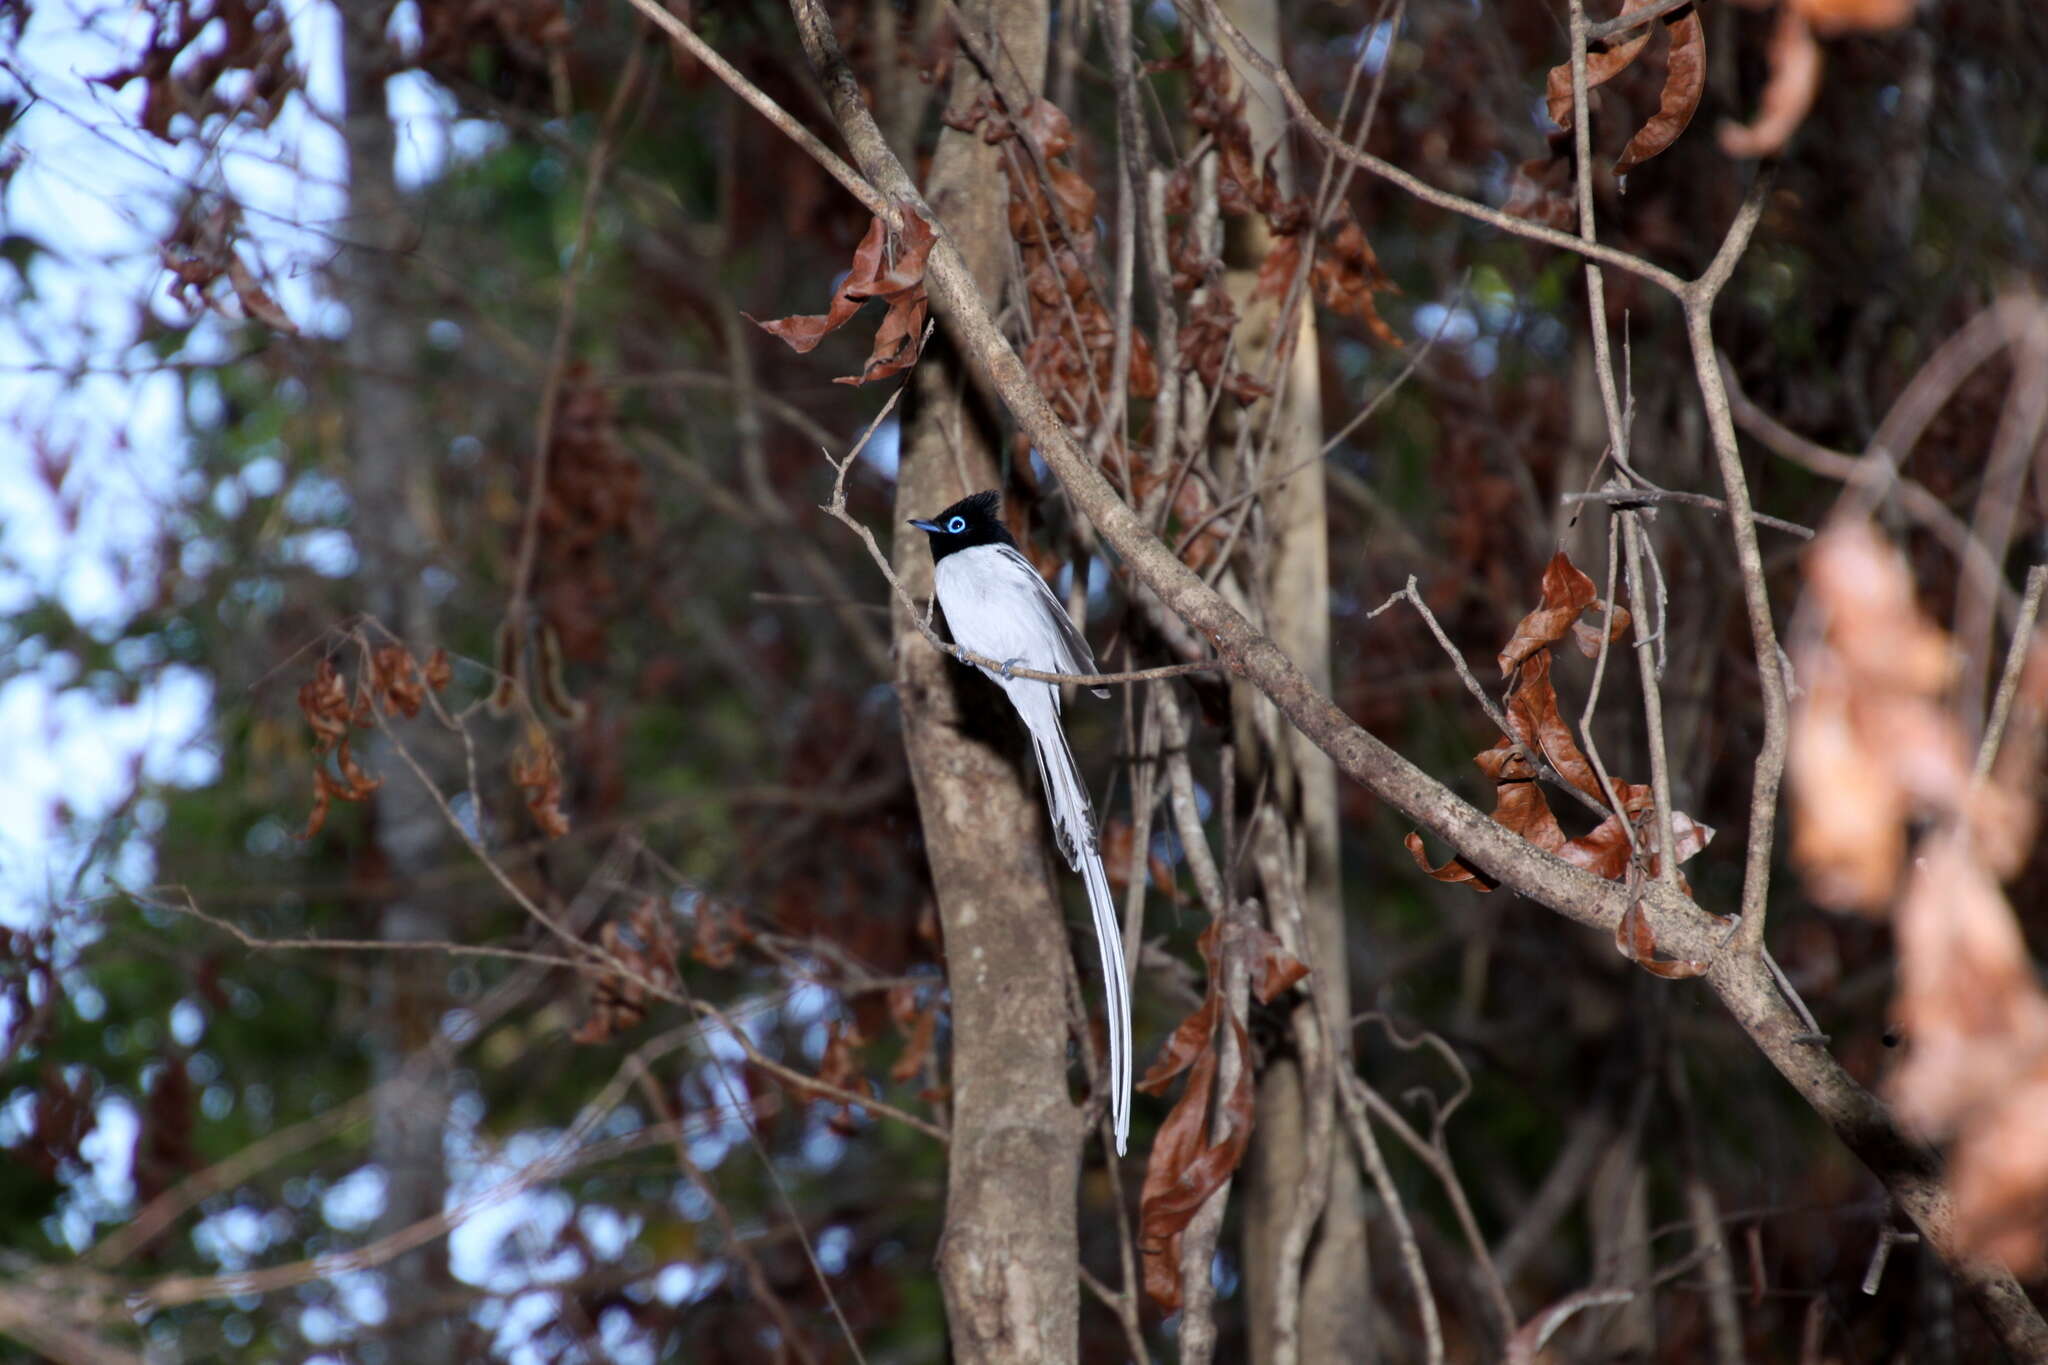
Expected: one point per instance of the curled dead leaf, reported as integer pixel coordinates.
(1186, 1165)
(841, 1068)
(1601, 67)
(1873, 745)
(1685, 79)
(537, 773)
(1566, 593)
(887, 266)
(1788, 95)
(1635, 941)
(1451, 871)
(1540, 192)
(642, 954)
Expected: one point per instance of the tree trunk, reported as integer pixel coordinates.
(1303, 1298)
(1008, 1262)
(388, 459)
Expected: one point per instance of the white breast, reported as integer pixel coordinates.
(998, 606)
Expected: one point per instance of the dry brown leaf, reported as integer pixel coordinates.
(918, 1036)
(1185, 1167)
(1533, 717)
(841, 1067)
(644, 955)
(1872, 743)
(802, 333)
(1540, 192)
(1601, 67)
(1788, 95)
(1587, 636)
(1539, 727)
(717, 931)
(255, 300)
(1635, 941)
(1999, 1175)
(1685, 78)
(1277, 271)
(1451, 871)
(325, 703)
(1566, 593)
(887, 266)
(1275, 971)
(537, 773)
(1347, 275)
(1974, 1017)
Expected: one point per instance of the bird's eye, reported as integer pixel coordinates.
(955, 525)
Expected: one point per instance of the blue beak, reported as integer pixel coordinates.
(929, 527)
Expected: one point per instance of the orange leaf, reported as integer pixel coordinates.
(1843, 16)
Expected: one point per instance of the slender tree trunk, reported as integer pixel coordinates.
(1303, 1296)
(389, 458)
(1008, 1263)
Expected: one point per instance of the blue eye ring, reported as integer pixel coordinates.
(955, 525)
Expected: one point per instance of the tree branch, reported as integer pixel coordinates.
(1740, 979)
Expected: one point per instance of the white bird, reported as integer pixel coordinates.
(999, 607)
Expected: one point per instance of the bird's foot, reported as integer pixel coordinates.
(1009, 664)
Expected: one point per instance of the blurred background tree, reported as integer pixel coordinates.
(389, 372)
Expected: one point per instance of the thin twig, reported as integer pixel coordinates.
(1634, 19)
(1414, 185)
(921, 616)
(565, 324)
(1435, 1153)
(1635, 549)
(1922, 506)
(1596, 285)
(1607, 784)
(2016, 656)
(1623, 498)
(1486, 703)
(1769, 770)
(1375, 1162)
(871, 198)
(750, 1264)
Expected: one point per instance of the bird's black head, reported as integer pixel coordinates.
(974, 520)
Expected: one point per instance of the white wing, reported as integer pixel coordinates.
(998, 606)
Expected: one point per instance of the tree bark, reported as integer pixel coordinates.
(388, 457)
(1009, 1260)
(1302, 1302)
(1682, 926)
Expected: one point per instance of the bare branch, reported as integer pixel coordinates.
(768, 109)
(1622, 498)
(2015, 666)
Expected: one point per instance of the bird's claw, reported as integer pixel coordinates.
(1009, 664)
